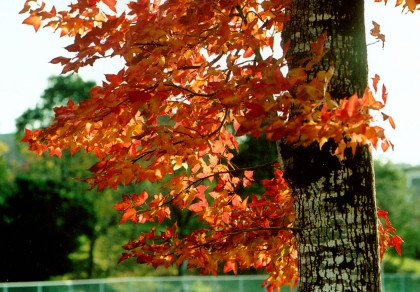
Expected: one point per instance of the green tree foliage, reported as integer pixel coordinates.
(60, 89)
(394, 196)
(40, 226)
(260, 153)
(98, 250)
(5, 179)
(48, 183)
(3, 169)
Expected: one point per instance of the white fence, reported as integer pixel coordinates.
(401, 283)
(247, 283)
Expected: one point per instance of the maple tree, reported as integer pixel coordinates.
(200, 74)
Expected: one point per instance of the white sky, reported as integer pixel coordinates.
(25, 67)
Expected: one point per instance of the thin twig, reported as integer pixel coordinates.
(189, 90)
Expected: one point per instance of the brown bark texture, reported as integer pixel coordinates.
(335, 199)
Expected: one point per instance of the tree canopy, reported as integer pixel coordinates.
(59, 90)
(198, 75)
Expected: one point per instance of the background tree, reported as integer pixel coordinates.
(46, 186)
(59, 90)
(3, 169)
(253, 152)
(92, 257)
(197, 75)
(395, 197)
(41, 227)
(5, 177)
(64, 171)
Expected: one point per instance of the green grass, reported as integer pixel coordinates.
(402, 265)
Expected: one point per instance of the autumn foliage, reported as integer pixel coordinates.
(197, 75)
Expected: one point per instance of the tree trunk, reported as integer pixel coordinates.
(92, 241)
(335, 200)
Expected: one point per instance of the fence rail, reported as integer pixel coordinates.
(248, 283)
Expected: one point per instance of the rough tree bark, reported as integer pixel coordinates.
(335, 200)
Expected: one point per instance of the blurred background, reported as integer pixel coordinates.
(53, 228)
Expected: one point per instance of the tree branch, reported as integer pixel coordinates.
(189, 90)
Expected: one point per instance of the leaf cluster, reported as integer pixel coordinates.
(410, 5)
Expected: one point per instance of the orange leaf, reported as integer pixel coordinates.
(255, 109)
(61, 60)
(139, 199)
(201, 195)
(114, 79)
(384, 94)
(28, 136)
(390, 119)
(350, 108)
(162, 213)
(230, 266)
(226, 217)
(33, 20)
(318, 47)
(248, 53)
(56, 151)
(391, 122)
(237, 201)
(26, 8)
(111, 4)
(375, 82)
(382, 214)
(124, 205)
(396, 241)
(385, 146)
(129, 214)
(370, 102)
(98, 167)
(376, 32)
(411, 4)
(249, 174)
(198, 207)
